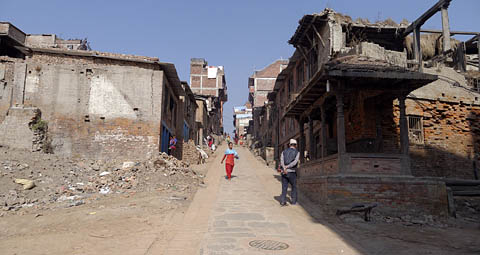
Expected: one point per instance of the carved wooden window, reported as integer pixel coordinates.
(474, 83)
(415, 129)
(300, 75)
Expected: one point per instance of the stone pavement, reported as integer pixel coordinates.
(227, 216)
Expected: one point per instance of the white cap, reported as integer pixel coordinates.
(293, 141)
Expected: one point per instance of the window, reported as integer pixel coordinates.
(165, 101)
(312, 62)
(300, 75)
(290, 86)
(415, 129)
(474, 83)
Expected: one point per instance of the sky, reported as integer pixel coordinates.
(243, 36)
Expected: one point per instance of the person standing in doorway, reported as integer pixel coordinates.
(172, 146)
(288, 168)
(230, 155)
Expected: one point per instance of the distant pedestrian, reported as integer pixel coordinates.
(230, 155)
(210, 142)
(288, 168)
(172, 145)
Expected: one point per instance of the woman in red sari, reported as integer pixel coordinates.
(230, 155)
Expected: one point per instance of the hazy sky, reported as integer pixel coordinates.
(241, 35)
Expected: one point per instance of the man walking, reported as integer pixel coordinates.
(288, 167)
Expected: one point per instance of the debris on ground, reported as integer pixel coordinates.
(27, 184)
(66, 182)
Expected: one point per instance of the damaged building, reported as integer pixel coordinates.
(88, 103)
(208, 83)
(376, 121)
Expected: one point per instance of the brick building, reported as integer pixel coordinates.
(95, 104)
(368, 118)
(261, 82)
(209, 82)
(259, 85)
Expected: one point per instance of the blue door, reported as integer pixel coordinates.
(165, 139)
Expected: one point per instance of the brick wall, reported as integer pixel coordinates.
(396, 195)
(452, 138)
(90, 104)
(265, 84)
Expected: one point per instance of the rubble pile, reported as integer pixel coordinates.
(191, 154)
(42, 181)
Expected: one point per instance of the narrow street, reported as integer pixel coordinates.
(227, 215)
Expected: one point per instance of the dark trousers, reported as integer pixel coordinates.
(290, 177)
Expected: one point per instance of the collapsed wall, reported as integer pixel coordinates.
(23, 128)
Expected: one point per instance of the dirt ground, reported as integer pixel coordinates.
(148, 200)
(70, 212)
(379, 237)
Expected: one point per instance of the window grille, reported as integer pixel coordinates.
(474, 83)
(415, 129)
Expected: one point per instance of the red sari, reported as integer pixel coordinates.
(230, 162)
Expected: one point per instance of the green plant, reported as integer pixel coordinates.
(40, 125)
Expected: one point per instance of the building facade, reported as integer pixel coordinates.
(89, 103)
(242, 115)
(209, 82)
(364, 110)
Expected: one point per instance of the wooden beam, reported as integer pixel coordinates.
(308, 28)
(446, 30)
(303, 52)
(433, 31)
(317, 103)
(427, 15)
(319, 36)
(309, 40)
(417, 49)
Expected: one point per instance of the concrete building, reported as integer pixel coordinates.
(370, 120)
(52, 41)
(209, 82)
(189, 113)
(242, 115)
(86, 103)
(202, 119)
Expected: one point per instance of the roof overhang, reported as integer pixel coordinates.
(354, 77)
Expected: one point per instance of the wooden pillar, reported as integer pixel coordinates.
(301, 146)
(343, 163)
(478, 47)
(311, 152)
(324, 131)
(404, 143)
(378, 127)
(445, 29)
(417, 50)
(324, 136)
(342, 149)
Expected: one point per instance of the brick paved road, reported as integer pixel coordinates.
(227, 215)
